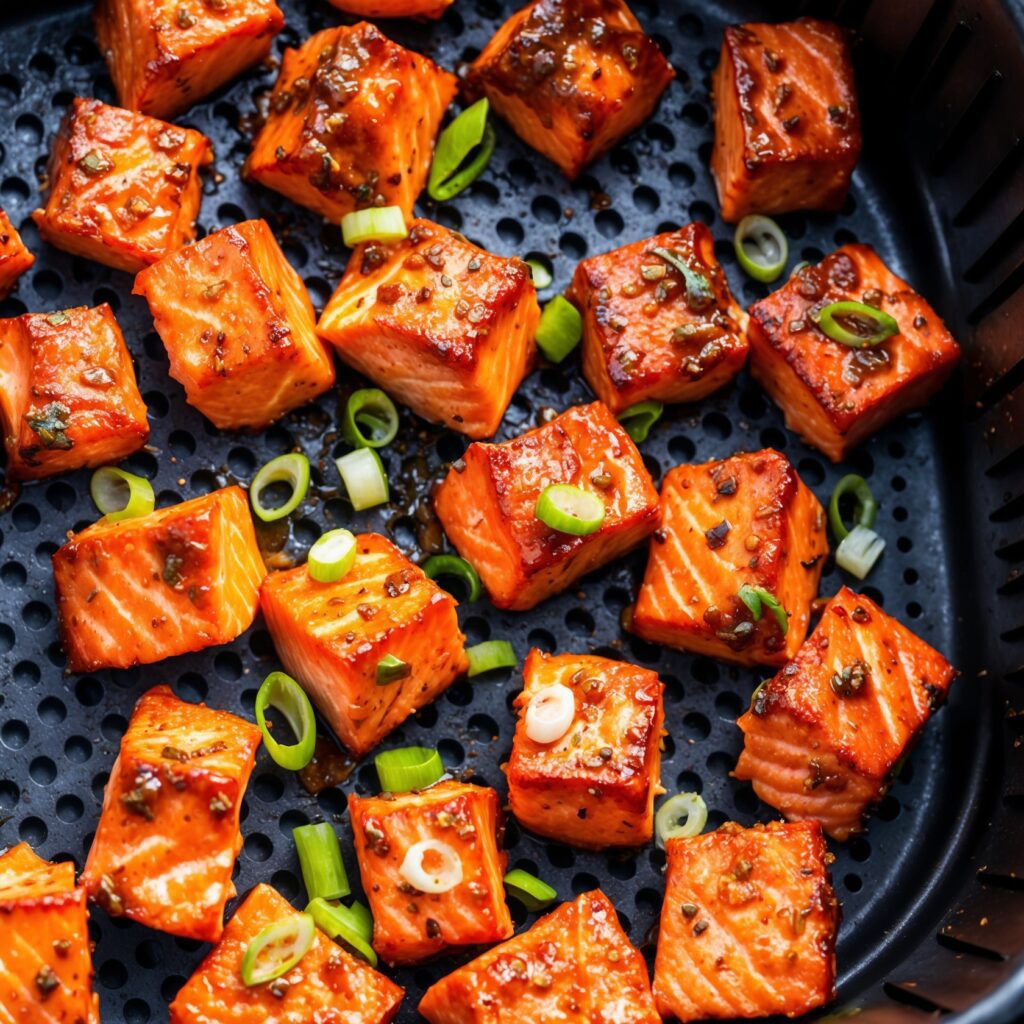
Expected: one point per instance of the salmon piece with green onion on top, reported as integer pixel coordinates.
(15, 258)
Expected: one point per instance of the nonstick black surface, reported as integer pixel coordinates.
(59, 734)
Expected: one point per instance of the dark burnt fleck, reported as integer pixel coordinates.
(717, 535)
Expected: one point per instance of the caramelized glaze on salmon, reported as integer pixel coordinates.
(15, 258)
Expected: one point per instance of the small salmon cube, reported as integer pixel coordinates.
(571, 77)
(327, 985)
(180, 579)
(823, 736)
(748, 520)
(124, 188)
(332, 636)
(463, 824)
(487, 504)
(15, 259)
(835, 396)
(164, 56)
(352, 123)
(647, 332)
(238, 327)
(446, 327)
(748, 925)
(787, 125)
(168, 833)
(68, 396)
(393, 8)
(575, 965)
(595, 786)
(45, 958)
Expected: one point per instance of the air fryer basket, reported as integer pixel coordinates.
(933, 893)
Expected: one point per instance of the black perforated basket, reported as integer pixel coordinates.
(933, 893)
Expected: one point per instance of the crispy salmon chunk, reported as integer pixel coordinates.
(327, 985)
(736, 561)
(177, 580)
(371, 648)
(748, 925)
(823, 737)
(68, 396)
(594, 785)
(168, 833)
(432, 868)
(15, 258)
(651, 331)
(352, 123)
(165, 55)
(571, 77)
(835, 396)
(45, 958)
(446, 327)
(576, 966)
(487, 504)
(238, 327)
(787, 125)
(124, 188)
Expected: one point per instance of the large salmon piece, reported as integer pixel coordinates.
(177, 580)
(68, 396)
(746, 521)
(45, 958)
(337, 638)
(15, 258)
(748, 925)
(575, 966)
(444, 326)
(823, 736)
(168, 833)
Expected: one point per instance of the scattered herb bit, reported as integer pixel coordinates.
(46, 980)
(698, 288)
(851, 679)
(95, 163)
(51, 425)
(172, 569)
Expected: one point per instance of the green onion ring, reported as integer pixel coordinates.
(293, 469)
(638, 419)
(408, 768)
(372, 408)
(280, 691)
(362, 919)
(323, 870)
(570, 509)
(452, 565)
(559, 330)
(277, 949)
(539, 274)
(392, 670)
(120, 495)
(761, 247)
(376, 224)
(757, 600)
(331, 556)
(534, 893)
(834, 318)
(449, 171)
(859, 550)
(668, 823)
(864, 511)
(341, 924)
(364, 478)
(489, 655)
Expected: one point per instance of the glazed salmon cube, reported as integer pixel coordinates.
(45, 958)
(787, 125)
(575, 965)
(571, 77)
(168, 833)
(648, 332)
(463, 825)
(393, 8)
(446, 327)
(15, 259)
(238, 327)
(594, 786)
(177, 580)
(124, 188)
(68, 396)
(835, 396)
(746, 521)
(487, 504)
(352, 123)
(748, 925)
(328, 984)
(823, 736)
(332, 636)
(165, 55)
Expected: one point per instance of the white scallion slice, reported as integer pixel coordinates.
(376, 224)
(331, 556)
(859, 550)
(363, 475)
(431, 866)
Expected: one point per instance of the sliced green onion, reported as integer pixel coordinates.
(277, 949)
(362, 919)
(292, 469)
(375, 224)
(391, 669)
(342, 925)
(699, 294)
(281, 692)
(800, 266)
(370, 408)
(570, 509)
(468, 136)
(859, 550)
(638, 419)
(364, 478)
(408, 768)
(540, 275)
(331, 556)
(534, 893)
(680, 817)
(761, 247)
(452, 565)
(864, 511)
(855, 324)
(323, 870)
(757, 600)
(560, 329)
(489, 655)
(121, 495)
